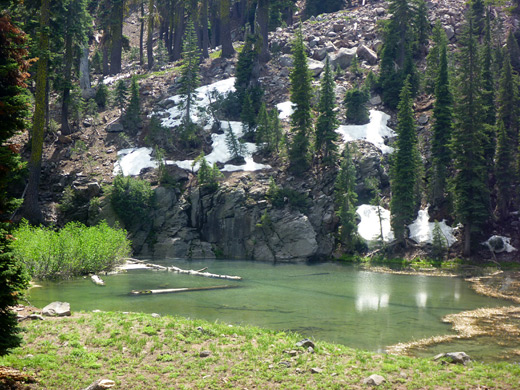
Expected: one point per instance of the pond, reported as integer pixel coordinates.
(327, 301)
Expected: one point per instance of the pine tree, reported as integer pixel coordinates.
(14, 109)
(301, 95)
(469, 182)
(102, 96)
(263, 130)
(225, 29)
(248, 118)
(503, 172)
(439, 243)
(514, 51)
(404, 168)
(121, 94)
(346, 199)
(189, 78)
(327, 122)
(488, 97)
(132, 118)
(422, 27)
(441, 130)
(356, 100)
(433, 58)
(235, 147)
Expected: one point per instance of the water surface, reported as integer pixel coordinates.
(327, 301)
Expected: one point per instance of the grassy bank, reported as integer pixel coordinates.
(138, 351)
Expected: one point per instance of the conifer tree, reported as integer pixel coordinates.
(504, 169)
(301, 119)
(514, 51)
(346, 199)
(488, 96)
(132, 117)
(189, 78)
(235, 147)
(439, 243)
(356, 100)
(327, 122)
(433, 58)
(121, 94)
(404, 168)
(441, 130)
(102, 95)
(14, 109)
(225, 30)
(469, 182)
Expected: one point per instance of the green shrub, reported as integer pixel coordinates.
(279, 196)
(132, 199)
(102, 96)
(74, 250)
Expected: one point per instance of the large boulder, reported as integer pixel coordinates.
(57, 309)
(366, 54)
(316, 67)
(342, 58)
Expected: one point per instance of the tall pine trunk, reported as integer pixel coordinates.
(262, 17)
(32, 209)
(149, 43)
(178, 31)
(225, 29)
(117, 37)
(205, 32)
(67, 75)
(141, 36)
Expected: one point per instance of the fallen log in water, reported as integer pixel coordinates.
(184, 271)
(178, 290)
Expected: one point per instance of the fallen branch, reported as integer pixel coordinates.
(101, 384)
(178, 290)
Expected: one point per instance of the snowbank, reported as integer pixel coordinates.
(421, 230)
(285, 109)
(370, 226)
(499, 244)
(131, 161)
(375, 131)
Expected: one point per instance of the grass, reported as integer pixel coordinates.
(138, 351)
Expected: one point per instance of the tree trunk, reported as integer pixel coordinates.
(178, 31)
(149, 43)
(32, 209)
(117, 37)
(225, 29)
(141, 36)
(262, 20)
(467, 239)
(84, 71)
(205, 32)
(105, 46)
(67, 74)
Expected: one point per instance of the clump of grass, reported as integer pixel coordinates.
(74, 250)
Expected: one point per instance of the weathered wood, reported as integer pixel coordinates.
(101, 384)
(97, 280)
(179, 290)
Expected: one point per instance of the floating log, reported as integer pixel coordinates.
(184, 271)
(178, 290)
(97, 280)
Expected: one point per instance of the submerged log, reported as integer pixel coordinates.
(97, 280)
(178, 290)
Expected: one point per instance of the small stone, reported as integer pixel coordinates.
(57, 309)
(423, 119)
(96, 311)
(316, 370)
(200, 329)
(380, 11)
(204, 354)
(374, 380)
(305, 343)
(285, 363)
(156, 315)
(375, 100)
(310, 350)
(292, 352)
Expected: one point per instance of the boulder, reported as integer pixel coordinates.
(454, 357)
(57, 309)
(320, 54)
(286, 61)
(342, 58)
(305, 343)
(367, 54)
(374, 380)
(115, 128)
(316, 67)
(450, 32)
(375, 100)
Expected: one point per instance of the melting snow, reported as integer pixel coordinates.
(220, 152)
(113, 79)
(373, 132)
(286, 109)
(370, 227)
(421, 230)
(131, 161)
(173, 116)
(499, 244)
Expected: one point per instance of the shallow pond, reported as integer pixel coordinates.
(327, 301)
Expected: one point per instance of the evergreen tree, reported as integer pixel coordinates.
(317, 7)
(422, 27)
(301, 95)
(488, 96)
(439, 243)
(356, 100)
(404, 168)
(441, 131)
(433, 58)
(503, 172)
(514, 51)
(327, 122)
(102, 96)
(469, 182)
(248, 118)
(346, 199)
(189, 78)
(225, 29)
(507, 101)
(207, 175)
(235, 147)
(121, 94)
(14, 108)
(132, 118)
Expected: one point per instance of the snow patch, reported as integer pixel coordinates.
(220, 152)
(173, 116)
(111, 80)
(499, 244)
(131, 161)
(370, 226)
(375, 131)
(285, 109)
(421, 230)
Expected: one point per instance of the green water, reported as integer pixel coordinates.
(326, 301)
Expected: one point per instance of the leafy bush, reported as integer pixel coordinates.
(73, 250)
(279, 196)
(132, 199)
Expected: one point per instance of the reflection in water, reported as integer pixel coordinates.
(372, 292)
(371, 302)
(421, 298)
